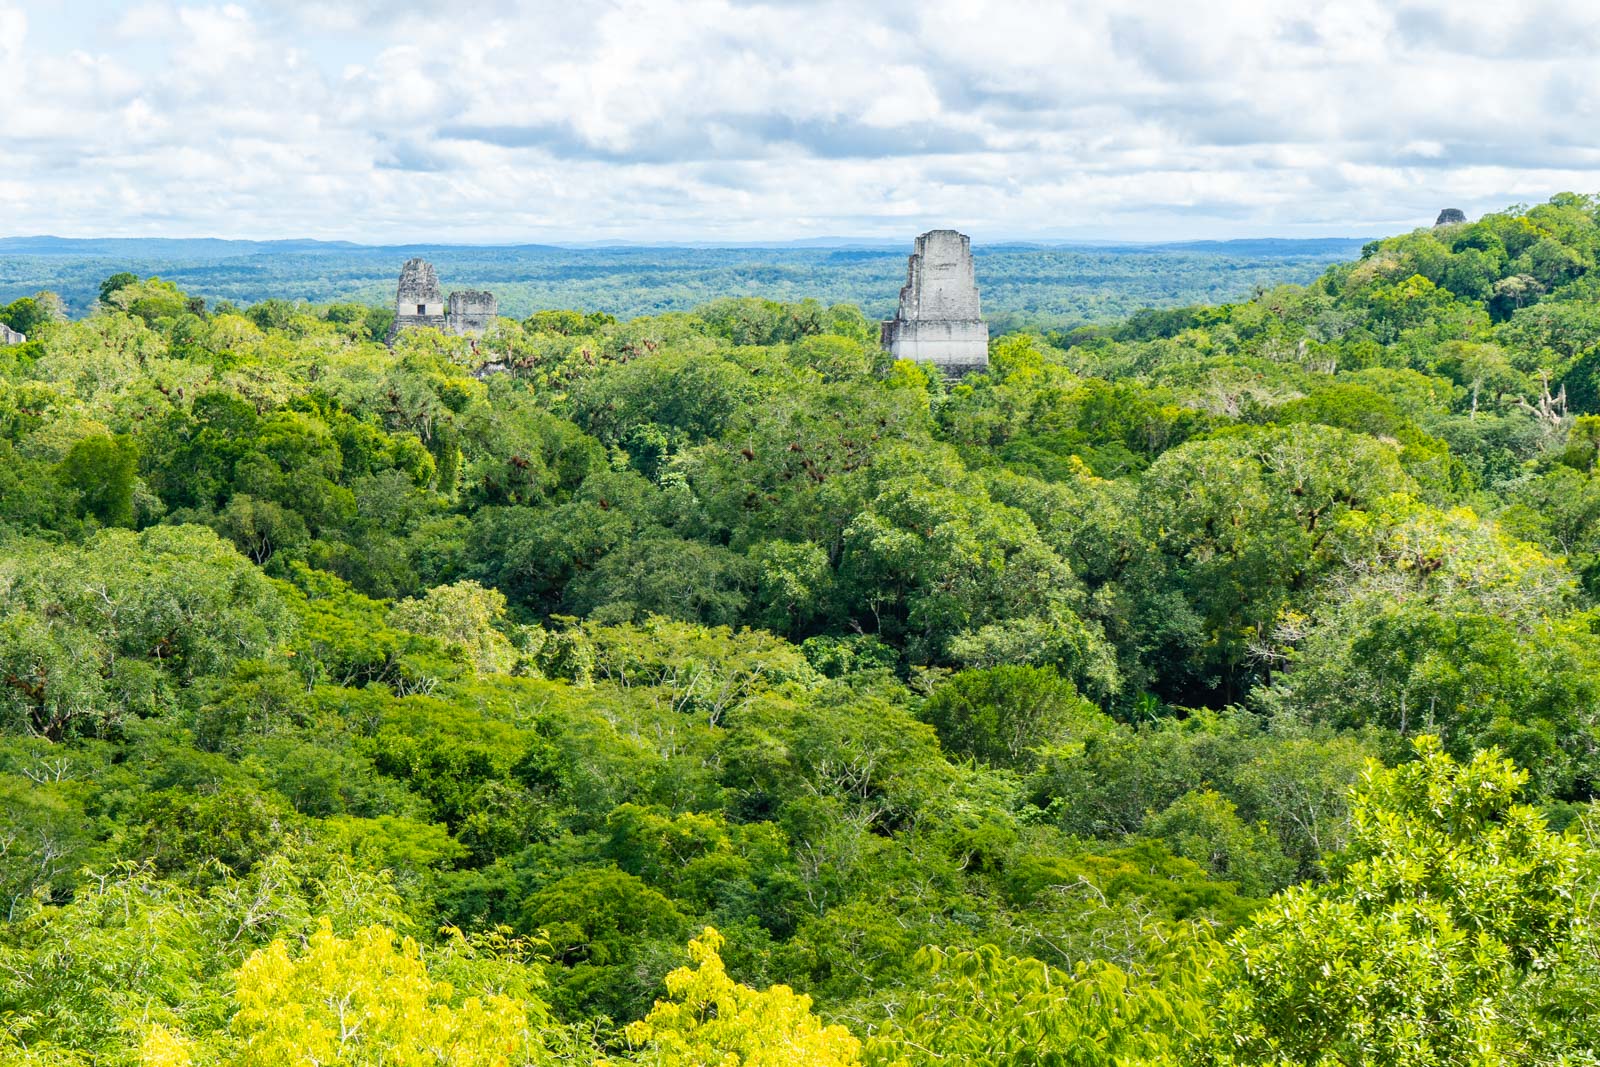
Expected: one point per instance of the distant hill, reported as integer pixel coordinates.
(160, 247)
(1024, 283)
(1337, 247)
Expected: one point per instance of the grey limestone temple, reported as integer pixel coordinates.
(8, 336)
(420, 302)
(940, 321)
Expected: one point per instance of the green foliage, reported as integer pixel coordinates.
(120, 280)
(1004, 715)
(101, 632)
(151, 299)
(1204, 826)
(1449, 893)
(464, 617)
(986, 1007)
(101, 470)
(27, 314)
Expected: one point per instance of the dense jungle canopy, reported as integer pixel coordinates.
(1216, 686)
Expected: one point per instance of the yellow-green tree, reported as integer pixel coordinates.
(709, 1020)
(363, 1001)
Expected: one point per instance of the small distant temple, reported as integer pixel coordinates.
(940, 321)
(8, 336)
(1450, 216)
(419, 302)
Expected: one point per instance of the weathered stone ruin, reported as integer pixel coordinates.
(8, 336)
(471, 311)
(1449, 216)
(940, 321)
(419, 302)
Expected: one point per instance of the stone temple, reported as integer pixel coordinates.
(419, 302)
(1450, 216)
(8, 336)
(940, 321)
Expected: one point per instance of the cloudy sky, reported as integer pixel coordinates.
(527, 120)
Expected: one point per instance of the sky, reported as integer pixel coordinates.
(510, 121)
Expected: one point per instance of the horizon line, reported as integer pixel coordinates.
(830, 240)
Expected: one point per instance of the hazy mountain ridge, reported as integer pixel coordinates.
(1050, 284)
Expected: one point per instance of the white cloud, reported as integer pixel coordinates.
(220, 39)
(146, 20)
(511, 120)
